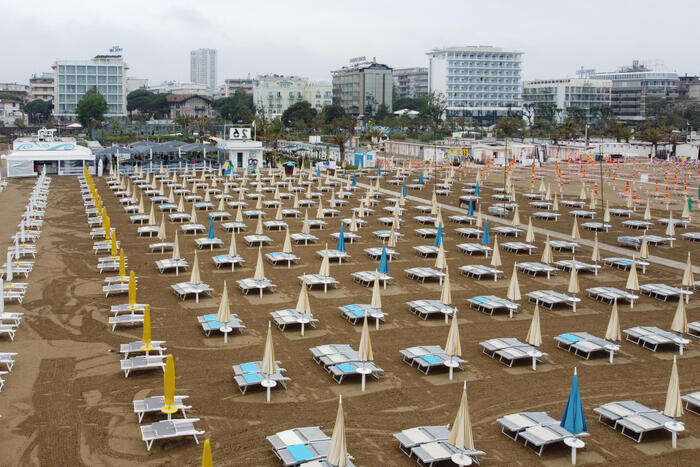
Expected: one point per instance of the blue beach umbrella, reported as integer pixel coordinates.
(485, 236)
(354, 179)
(477, 189)
(341, 240)
(420, 178)
(573, 419)
(470, 212)
(383, 263)
(318, 170)
(403, 188)
(379, 171)
(211, 228)
(438, 236)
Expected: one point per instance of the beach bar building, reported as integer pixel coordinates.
(59, 155)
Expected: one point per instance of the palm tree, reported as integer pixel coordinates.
(202, 123)
(184, 121)
(341, 131)
(653, 135)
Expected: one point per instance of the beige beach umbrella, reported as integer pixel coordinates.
(446, 291)
(433, 204)
(555, 204)
(680, 318)
(141, 208)
(688, 276)
(171, 196)
(276, 195)
(361, 210)
(353, 222)
(176, 248)
(575, 235)
(241, 193)
(278, 212)
(647, 212)
(582, 195)
(193, 215)
(516, 217)
(644, 247)
(325, 269)
(548, 196)
(161, 230)
(287, 247)
(364, 352)
(194, 275)
(592, 204)
(258, 203)
(440, 259)
(338, 452)
(453, 346)
(606, 215)
(269, 365)
(534, 334)
(259, 226)
(479, 218)
(674, 405)
(670, 228)
(496, 255)
(461, 435)
(233, 249)
(305, 229)
(612, 333)
(542, 189)
(396, 222)
(514, 287)
(573, 287)
(319, 210)
(376, 295)
(530, 234)
(595, 255)
(632, 279)
(224, 314)
(438, 218)
(181, 204)
(392, 237)
(259, 268)
(221, 207)
(152, 215)
(207, 196)
(296, 199)
(239, 214)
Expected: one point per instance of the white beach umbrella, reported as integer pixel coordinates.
(612, 333)
(674, 405)
(224, 314)
(338, 451)
(534, 334)
(259, 268)
(461, 435)
(364, 352)
(453, 346)
(514, 287)
(194, 275)
(269, 365)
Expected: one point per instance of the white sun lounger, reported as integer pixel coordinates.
(567, 264)
(281, 257)
(356, 312)
(469, 232)
(257, 240)
(651, 337)
(227, 260)
(663, 291)
(291, 317)
(153, 404)
(691, 236)
(514, 424)
(584, 345)
(366, 278)
(421, 274)
(489, 304)
(694, 329)
(341, 371)
(519, 247)
(479, 271)
(247, 375)
(413, 437)
(184, 289)
(141, 363)
(626, 263)
(472, 248)
(429, 356)
(509, 350)
(9, 329)
(300, 445)
(311, 280)
(636, 424)
(692, 402)
(534, 268)
(15, 318)
(168, 429)
(135, 348)
(303, 238)
(540, 436)
(425, 309)
(131, 319)
(165, 265)
(550, 298)
(637, 224)
(209, 323)
(250, 284)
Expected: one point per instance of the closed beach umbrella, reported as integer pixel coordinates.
(325, 269)
(193, 215)
(516, 217)
(383, 263)
(181, 204)
(258, 203)
(680, 318)
(461, 435)
(169, 406)
(446, 291)
(438, 236)
(364, 353)
(547, 257)
(496, 255)
(206, 455)
(259, 268)
(132, 290)
(113, 246)
(278, 213)
(161, 230)
(341, 240)
(176, 247)
(319, 210)
(485, 235)
(338, 451)
(612, 333)
(223, 316)
(259, 226)
(438, 218)
(287, 247)
(269, 365)
(530, 234)
(514, 287)
(392, 237)
(534, 334)
(688, 276)
(595, 255)
(239, 214)
(305, 224)
(670, 227)
(376, 299)
(647, 212)
(644, 247)
(632, 279)
(304, 306)
(555, 203)
(674, 405)
(194, 275)
(146, 334)
(573, 420)
(233, 249)
(575, 235)
(440, 260)
(453, 346)
(152, 215)
(606, 214)
(573, 281)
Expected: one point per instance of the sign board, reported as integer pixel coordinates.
(239, 133)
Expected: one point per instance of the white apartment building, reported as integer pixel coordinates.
(410, 82)
(203, 67)
(584, 93)
(41, 87)
(132, 84)
(273, 94)
(10, 111)
(73, 78)
(481, 82)
(177, 87)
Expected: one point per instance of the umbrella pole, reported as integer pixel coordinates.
(534, 363)
(377, 323)
(573, 455)
(268, 394)
(226, 337)
(363, 382)
(302, 329)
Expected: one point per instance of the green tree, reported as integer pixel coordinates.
(91, 109)
(299, 111)
(508, 126)
(38, 110)
(21, 125)
(239, 106)
(203, 123)
(115, 126)
(382, 113)
(332, 112)
(340, 132)
(568, 129)
(185, 121)
(654, 135)
(408, 103)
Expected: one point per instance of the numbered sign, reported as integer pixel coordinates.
(239, 133)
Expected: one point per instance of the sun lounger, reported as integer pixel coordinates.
(425, 220)
(334, 255)
(9, 329)
(15, 318)
(168, 429)
(567, 264)
(498, 211)
(234, 226)
(366, 278)
(469, 232)
(317, 224)
(153, 404)
(540, 436)
(311, 280)
(459, 219)
(422, 274)
(429, 356)
(425, 309)
(148, 231)
(206, 242)
(141, 363)
(519, 247)
(300, 445)
(248, 375)
(385, 234)
(637, 224)
(509, 350)
(584, 345)
(626, 263)
(185, 289)
(250, 284)
(426, 250)
(414, 437)
(376, 252)
(349, 237)
(550, 298)
(303, 238)
(663, 291)
(514, 424)
(192, 229)
(651, 337)
(507, 231)
(636, 241)
(291, 317)
(692, 402)
(341, 371)
(632, 423)
(534, 268)
(355, 313)
(326, 353)
(209, 323)
(165, 265)
(479, 271)
(8, 359)
(676, 222)
(691, 236)
(135, 348)
(694, 329)
(610, 413)
(611, 294)
(489, 304)
(257, 240)
(472, 248)
(562, 245)
(125, 319)
(280, 257)
(582, 213)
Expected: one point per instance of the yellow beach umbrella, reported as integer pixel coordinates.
(461, 435)
(169, 406)
(113, 248)
(146, 336)
(338, 452)
(132, 290)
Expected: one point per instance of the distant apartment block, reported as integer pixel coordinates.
(583, 93)
(410, 82)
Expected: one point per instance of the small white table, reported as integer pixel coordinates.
(674, 427)
(574, 444)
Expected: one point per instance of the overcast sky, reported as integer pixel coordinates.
(310, 38)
